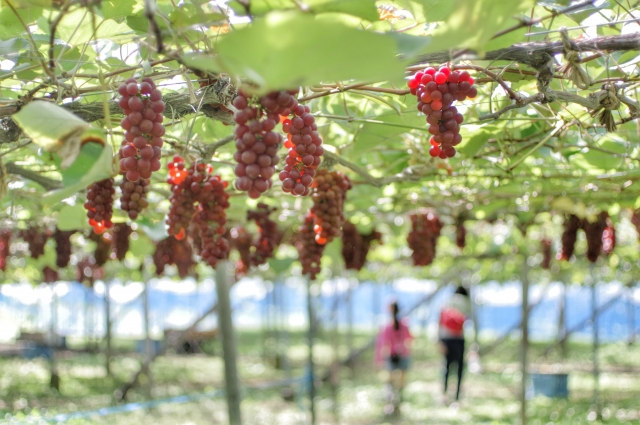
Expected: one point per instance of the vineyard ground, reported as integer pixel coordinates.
(489, 396)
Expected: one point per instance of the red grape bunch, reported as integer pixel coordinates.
(63, 247)
(120, 239)
(171, 251)
(184, 188)
(5, 242)
(422, 238)
(461, 233)
(242, 240)
(329, 194)
(310, 252)
(49, 275)
(635, 220)
(569, 235)
(355, 246)
(102, 253)
(210, 215)
(141, 149)
(36, 238)
(594, 232)
(608, 238)
(436, 90)
(305, 151)
(99, 204)
(256, 141)
(269, 236)
(546, 253)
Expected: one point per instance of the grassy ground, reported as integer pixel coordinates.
(489, 396)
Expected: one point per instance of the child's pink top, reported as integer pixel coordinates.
(391, 341)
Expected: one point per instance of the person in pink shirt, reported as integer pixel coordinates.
(393, 348)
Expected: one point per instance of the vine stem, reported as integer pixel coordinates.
(559, 126)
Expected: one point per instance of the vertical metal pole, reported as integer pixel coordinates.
(225, 324)
(631, 314)
(596, 343)
(107, 315)
(562, 321)
(524, 346)
(310, 365)
(148, 349)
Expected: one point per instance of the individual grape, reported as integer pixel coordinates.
(143, 106)
(5, 242)
(436, 90)
(120, 239)
(329, 194)
(355, 246)
(63, 247)
(569, 235)
(594, 232)
(99, 204)
(423, 236)
(36, 238)
(546, 253)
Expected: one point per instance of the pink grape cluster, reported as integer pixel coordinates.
(141, 149)
(305, 151)
(256, 141)
(436, 90)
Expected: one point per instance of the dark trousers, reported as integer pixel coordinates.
(454, 354)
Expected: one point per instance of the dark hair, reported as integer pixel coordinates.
(394, 312)
(462, 291)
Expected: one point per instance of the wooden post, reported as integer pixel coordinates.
(524, 346)
(225, 324)
(310, 364)
(596, 343)
(107, 315)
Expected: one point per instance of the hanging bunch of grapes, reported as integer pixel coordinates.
(355, 246)
(49, 275)
(436, 90)
(171, 251)
(461, 233)
(120, 239)
(183, 198)
(257, 143)
(329, 193)
(242, 241)
(546, 253)
(269, 236)
(36, 238)
(423, 236)
(103, 248)
(569, 235)
(309, 251)
(141, 149)
(609, 238)
(99, 204)
(5, 242)
(594, 232)
(63, 247)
